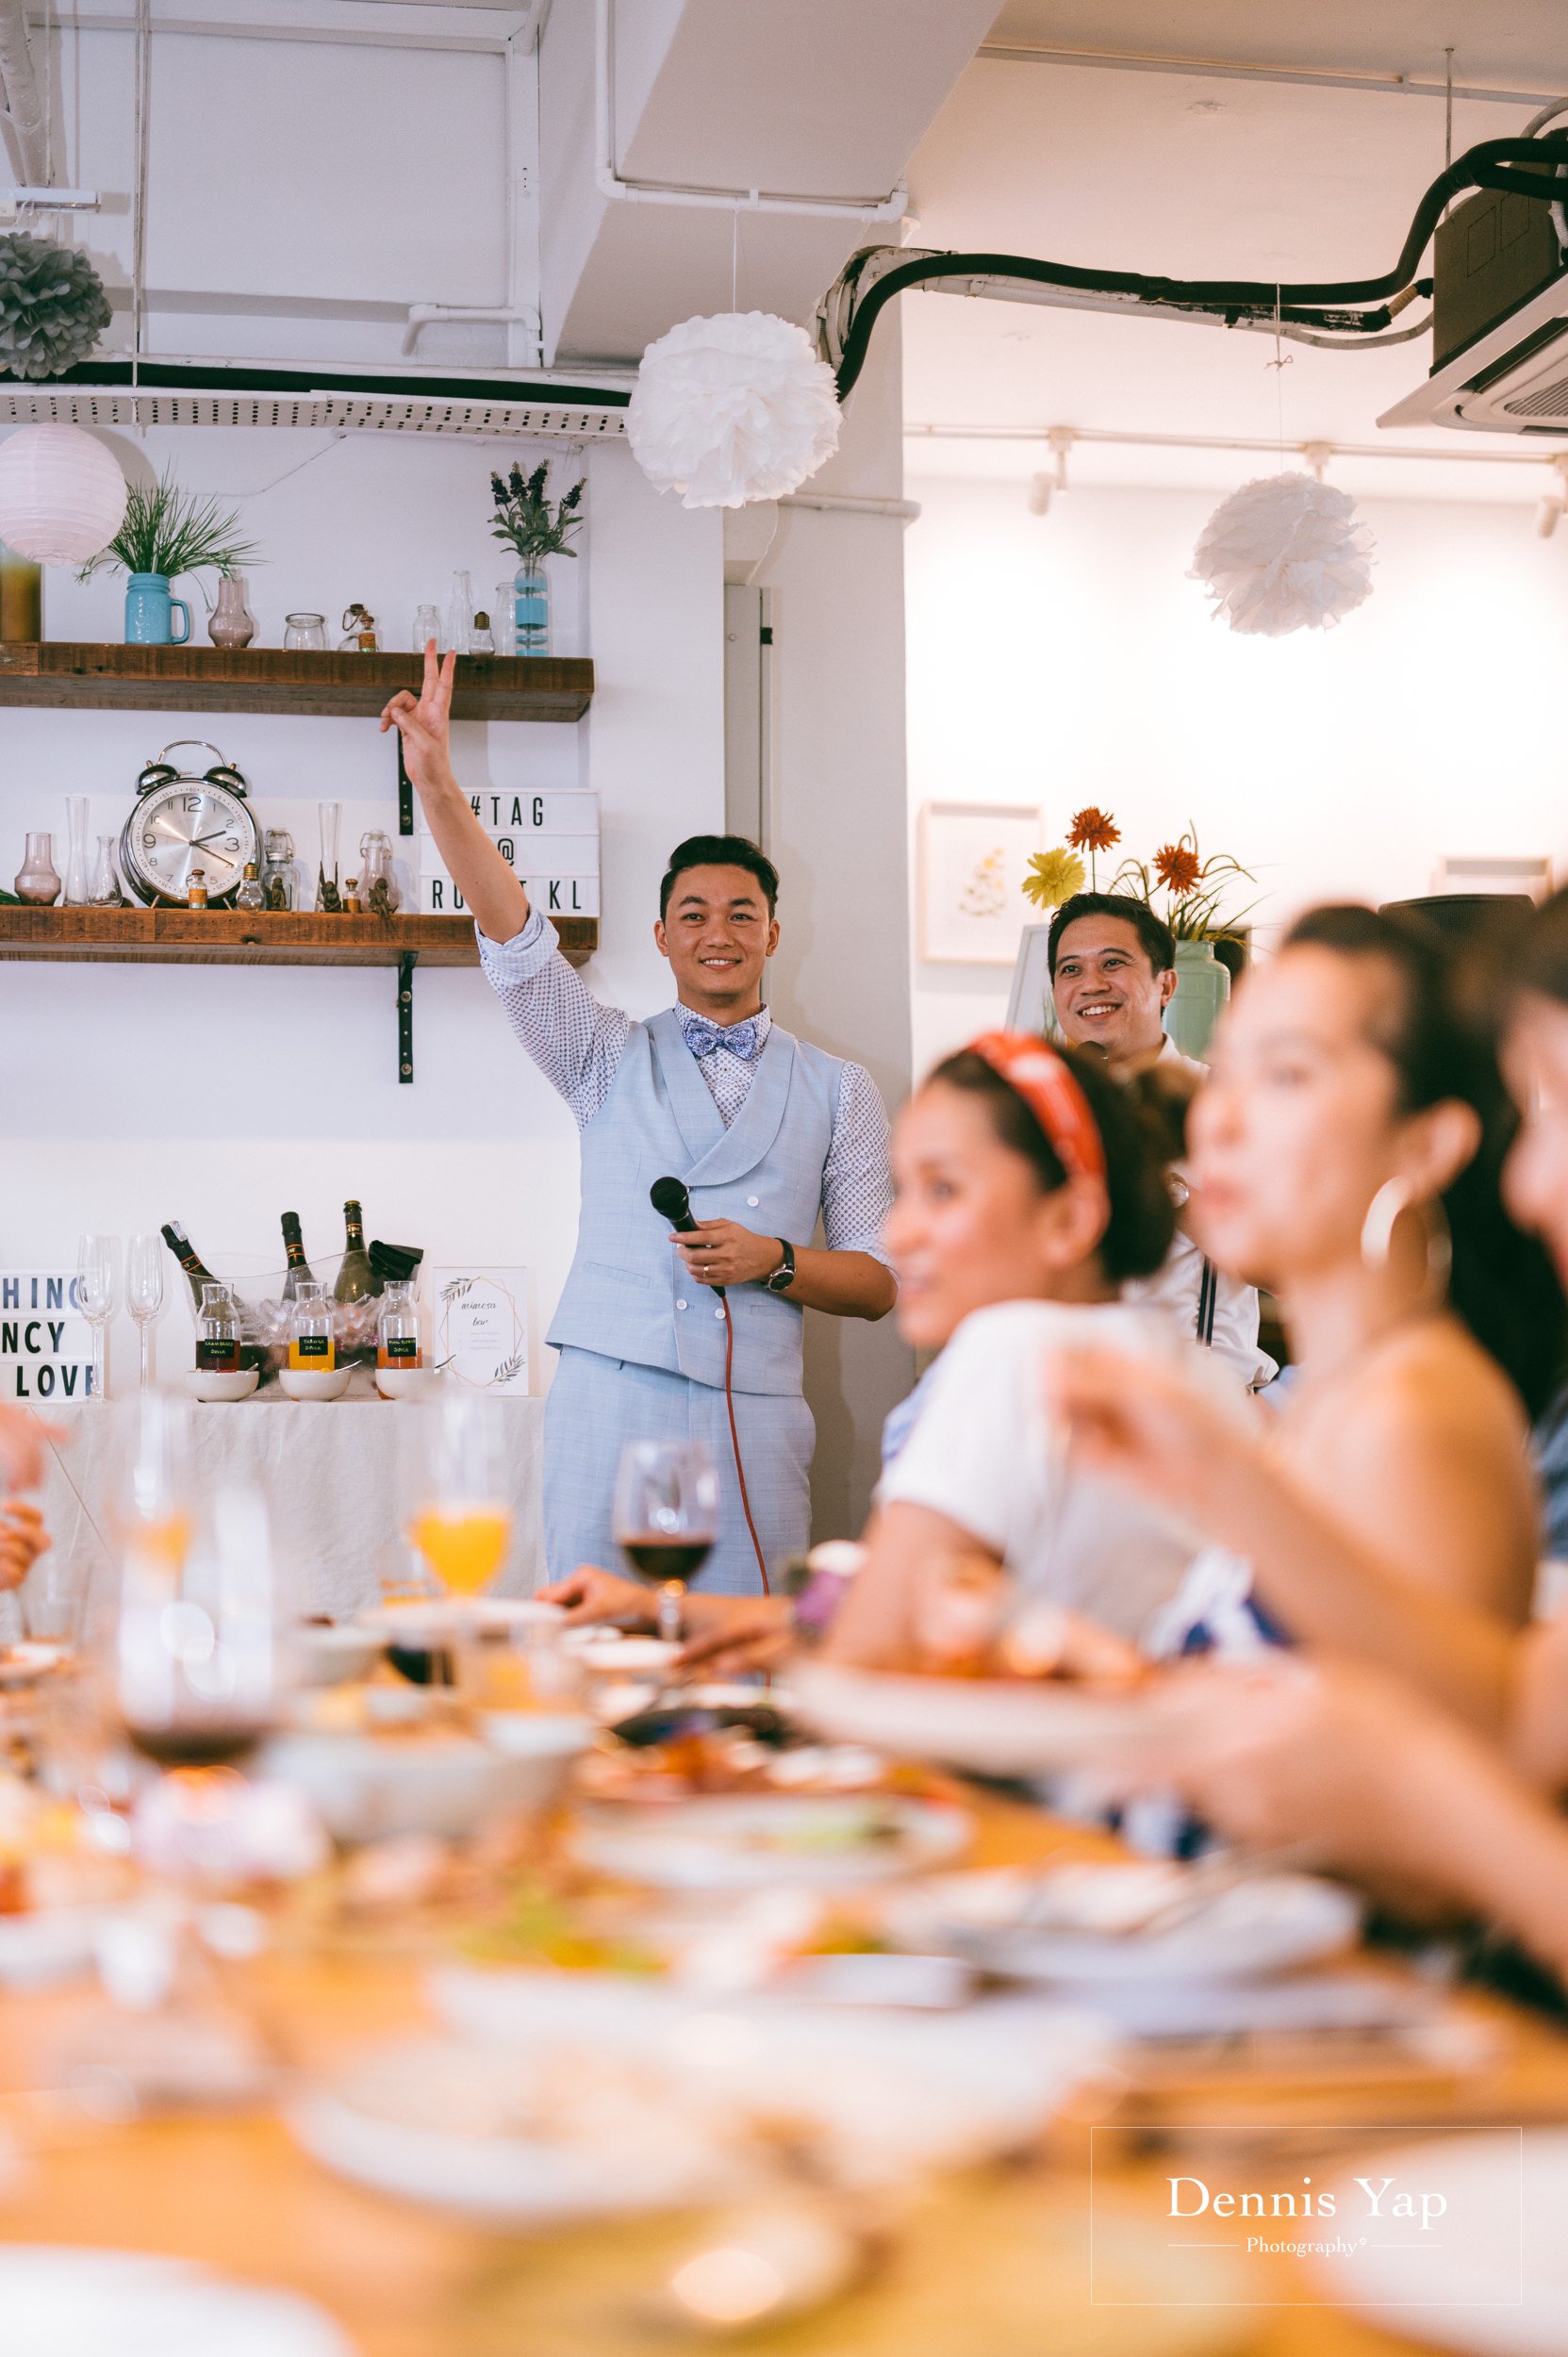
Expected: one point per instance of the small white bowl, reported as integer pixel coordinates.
(405, 1382)
(204, 1383)
(367, 1788)
(315, 1382)
(336, 1656)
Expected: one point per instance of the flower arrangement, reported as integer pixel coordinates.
(168, 530)
(528, 522)
(1194, 887)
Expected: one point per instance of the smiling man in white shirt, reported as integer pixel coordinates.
(1112, 969)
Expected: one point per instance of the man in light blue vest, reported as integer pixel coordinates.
(767, 1133)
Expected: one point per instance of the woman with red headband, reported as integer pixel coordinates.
(1030, 1186)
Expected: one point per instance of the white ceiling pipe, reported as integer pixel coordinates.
(1225, 441)
(847, 503)
(1237, 70)
(609, 183)
(24, 115)
(443, 314)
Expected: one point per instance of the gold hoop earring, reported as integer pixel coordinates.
(1394, 1198)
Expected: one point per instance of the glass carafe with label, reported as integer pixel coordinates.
(217, 1332)
(397, 1342)
(312, 1337)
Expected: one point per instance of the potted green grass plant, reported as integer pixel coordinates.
(167, 531)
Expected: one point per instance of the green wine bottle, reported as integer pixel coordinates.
(357, 1277)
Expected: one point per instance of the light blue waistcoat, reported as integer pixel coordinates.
(628, 1294)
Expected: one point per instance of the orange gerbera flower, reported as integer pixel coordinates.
(1093, 829)
(1178, 868)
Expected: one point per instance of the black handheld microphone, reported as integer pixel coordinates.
(673, 1201)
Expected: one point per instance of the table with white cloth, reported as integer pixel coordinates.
(332, 1470)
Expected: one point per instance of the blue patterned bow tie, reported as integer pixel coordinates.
(704, 1038)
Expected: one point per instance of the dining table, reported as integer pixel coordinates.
(991, 2259)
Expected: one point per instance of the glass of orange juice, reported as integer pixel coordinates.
(459, 1519)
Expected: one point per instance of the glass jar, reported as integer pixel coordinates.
(305, 630)
(481, 637)
(280, 878)
(359, 632)
(379, 888)
(252, 893)
(217, 1332)
(312, 1340)
(38, 878)
(427, 625)
(397, 1332)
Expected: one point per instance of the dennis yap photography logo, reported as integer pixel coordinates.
(1382, 2220)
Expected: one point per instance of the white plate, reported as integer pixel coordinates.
(60, 2301)
(491, 1616)
(1486, 2283)
(336, 1656)
(367, 1788)
(654, 2119)
(809, 1840)
(25, 1662)
(1270, 1924)
(1000, 1728)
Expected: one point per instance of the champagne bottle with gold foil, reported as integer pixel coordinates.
(357, 1277)
(300, 1278)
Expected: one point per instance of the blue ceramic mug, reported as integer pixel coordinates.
(149, 612)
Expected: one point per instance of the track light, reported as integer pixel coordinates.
(1546, 515)
(1040, 489)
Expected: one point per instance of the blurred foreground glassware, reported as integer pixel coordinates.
(145, 1294)
(461, 1523)
(305, 630)
(154, 1504)
(666, 1518)
(203, 1659)
(97, 1297)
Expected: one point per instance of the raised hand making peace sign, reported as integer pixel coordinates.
(488, 884)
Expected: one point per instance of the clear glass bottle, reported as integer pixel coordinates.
(503, 618)
(379, 888)
(78, 876)
(105, 876)
(481, 637)
(195, 888)
(280, 878)
(397, 1333)
(217, 1332)
(359, 632)
(252, 893)
(459, 614)
(427, 625)
(328, 898)
(312, 1339)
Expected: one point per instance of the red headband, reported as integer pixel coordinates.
(1050, 1091)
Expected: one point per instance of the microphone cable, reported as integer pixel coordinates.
(672, 1202)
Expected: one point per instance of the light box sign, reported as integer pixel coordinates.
(46, 1343)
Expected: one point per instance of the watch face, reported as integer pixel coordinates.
(185, 825)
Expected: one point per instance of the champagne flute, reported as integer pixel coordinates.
(144, 1294)
(97, 1297)
(666, 1518)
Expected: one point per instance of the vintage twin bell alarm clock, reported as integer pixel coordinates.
(187, 818)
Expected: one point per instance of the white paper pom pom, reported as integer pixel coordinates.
(731, 409)
(1284, 554)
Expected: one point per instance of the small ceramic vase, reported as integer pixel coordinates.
(38, 878)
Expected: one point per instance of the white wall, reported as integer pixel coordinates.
(1066, 659)
(222, 1096)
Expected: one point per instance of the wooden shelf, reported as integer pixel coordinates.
(57, 673)
(238, 937)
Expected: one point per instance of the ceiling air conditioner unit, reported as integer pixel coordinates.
(1499, 321)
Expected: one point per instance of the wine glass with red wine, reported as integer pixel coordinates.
(201, 1642)
(666, 1518)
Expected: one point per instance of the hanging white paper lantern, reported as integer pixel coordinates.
(1284, 554)
(62, 496)
(731, 409)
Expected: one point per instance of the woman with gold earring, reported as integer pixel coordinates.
(1347, 1153)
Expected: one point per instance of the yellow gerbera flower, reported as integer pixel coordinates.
(1053, 877)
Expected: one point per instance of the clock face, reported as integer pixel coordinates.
(183, 826)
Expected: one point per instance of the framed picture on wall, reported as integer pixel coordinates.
(973, 858)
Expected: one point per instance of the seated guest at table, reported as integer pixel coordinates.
(1113, 974)
(1348, 1151)
(22, 1539)
(23, 1536)
(1028, 1187)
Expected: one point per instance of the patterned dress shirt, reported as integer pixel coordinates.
(578, 1045)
